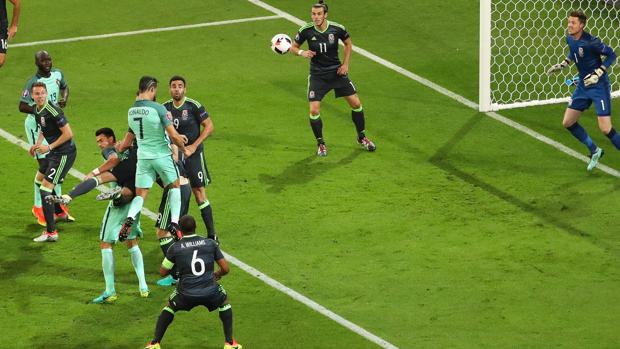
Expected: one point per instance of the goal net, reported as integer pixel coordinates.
(521, 39)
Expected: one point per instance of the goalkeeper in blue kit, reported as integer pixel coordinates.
(585, 50)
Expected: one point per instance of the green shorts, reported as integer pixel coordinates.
(32, 134)
(147, 171)
(113, 220)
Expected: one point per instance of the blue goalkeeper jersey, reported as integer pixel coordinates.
(586, 54)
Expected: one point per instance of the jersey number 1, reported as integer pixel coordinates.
(141, 127)
(199, 262)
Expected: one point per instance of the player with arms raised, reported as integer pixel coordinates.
(149, 122)
(327, 72)
(585, 50)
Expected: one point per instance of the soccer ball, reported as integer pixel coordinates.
(281, 43)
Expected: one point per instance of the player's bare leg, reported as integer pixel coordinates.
(357, 116)
(317, 127)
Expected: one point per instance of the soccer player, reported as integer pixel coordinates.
(7, 33)
(149, 123)
(585, 50)
(58, 93)
(195, 256)
(188, 116)
(60, 148)
(327, 72)
(108, 236)
(119, 167)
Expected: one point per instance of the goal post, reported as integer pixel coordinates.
(521, 39)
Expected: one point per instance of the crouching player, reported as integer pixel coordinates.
(195, 256)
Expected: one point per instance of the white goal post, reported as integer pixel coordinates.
(521, 39)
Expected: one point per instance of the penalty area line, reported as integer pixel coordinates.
(245, 267)
(143, 31)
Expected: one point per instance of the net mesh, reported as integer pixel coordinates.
(527, 37)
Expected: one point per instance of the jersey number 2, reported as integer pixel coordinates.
(141, 127)
(199, 262)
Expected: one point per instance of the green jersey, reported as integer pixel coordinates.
(54, 83)
(148, 121)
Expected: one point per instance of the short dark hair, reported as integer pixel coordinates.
(321, 4)
(106, 131)
(187, 224)
(579, 14)
(176, 78)
(38, 84)
(146, 82)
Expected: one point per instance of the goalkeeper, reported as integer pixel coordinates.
(585, 50)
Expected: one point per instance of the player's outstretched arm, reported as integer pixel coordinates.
(558, 67)
(176, 138)
(109, 164)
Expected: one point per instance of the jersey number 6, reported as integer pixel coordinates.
(200, 262)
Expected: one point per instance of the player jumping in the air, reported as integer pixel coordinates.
(585, 50)
(327, 73)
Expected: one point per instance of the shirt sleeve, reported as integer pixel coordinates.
(568, 55)
(300, 38)
(217, 254)
(61, 120)
(603, 50)
(344, 34)
(26, 97)
(200, 114)
(63, 83)
(164, 115)
(107, 152)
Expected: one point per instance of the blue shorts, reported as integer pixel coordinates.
(600, 94)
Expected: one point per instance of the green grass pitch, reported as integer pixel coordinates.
(458, 232)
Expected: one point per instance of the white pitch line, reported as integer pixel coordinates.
(143, 31)
(444, 91)
(245, 267)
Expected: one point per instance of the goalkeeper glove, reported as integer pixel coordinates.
(592, 78)
(557, 67)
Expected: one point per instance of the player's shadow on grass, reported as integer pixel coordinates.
(440, 160)
(304, 171)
